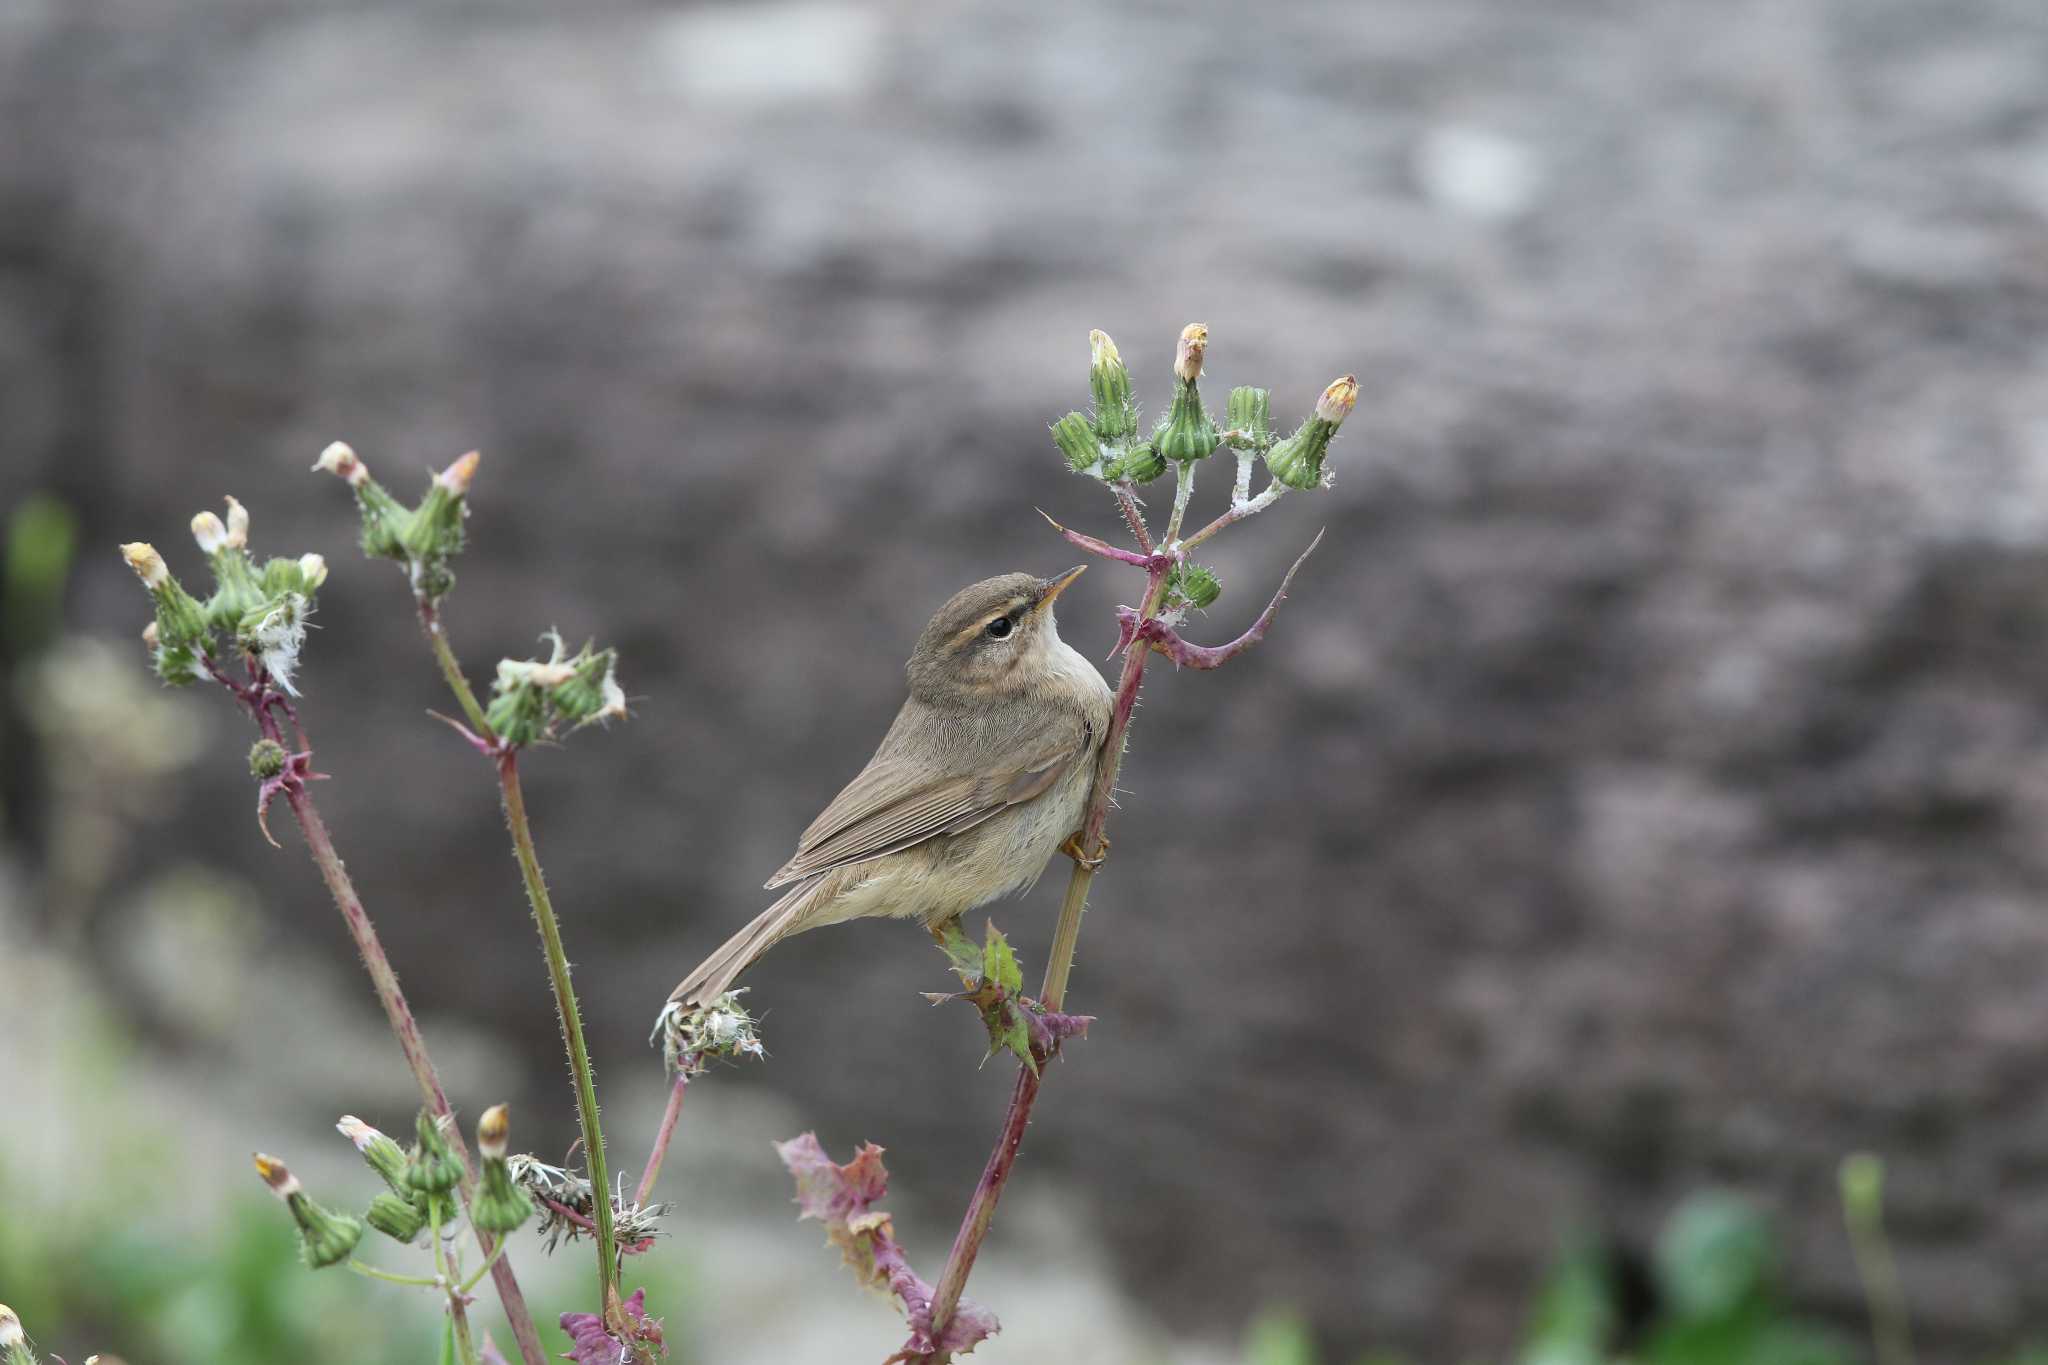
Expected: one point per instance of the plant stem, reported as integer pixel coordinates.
(1183, 489)
(981, 1209)
(407, 1030)
(437, 639)
(457, 1314)
(1239, 510)
(572, 1027)
(669, 1116)
(389, 1277)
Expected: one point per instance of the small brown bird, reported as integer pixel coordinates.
(982, 777)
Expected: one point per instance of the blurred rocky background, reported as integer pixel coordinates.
(1643, 790)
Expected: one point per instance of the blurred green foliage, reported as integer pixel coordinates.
(41, 538)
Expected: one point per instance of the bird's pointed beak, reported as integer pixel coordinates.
(1049, 588)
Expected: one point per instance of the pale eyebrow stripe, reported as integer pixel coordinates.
(979, 626)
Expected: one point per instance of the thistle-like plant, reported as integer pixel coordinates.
(1108, 445)
(246, 635)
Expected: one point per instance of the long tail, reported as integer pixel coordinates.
(715, 975)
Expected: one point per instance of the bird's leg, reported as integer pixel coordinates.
(1072, 848)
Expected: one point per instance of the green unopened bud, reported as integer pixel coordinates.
(434, 1169)
(1297, 462)
(1077, 442)
(325, 1237)
(395, 1216)
(1251, 412)
(266, 759)
(435, 533)
(1194, 585)
(240, 592)
(384, 521)
(13, 1340)
(180, 620)
(500, 1205)
(592, 691)
(1116, 414)
(1140, 464)
(177, 665)
(1188, 432)
(517, 714)
(378, 1149)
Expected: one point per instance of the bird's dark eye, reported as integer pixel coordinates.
(999, 629)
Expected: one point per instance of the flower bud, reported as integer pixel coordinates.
(1077, 442)
(1194, 585)
(1251, 412)
(395, 1216)
(455, 478)
(325, 1238)
(1297, 462)
(151, 635)
(238, 525)
(500, 1205)
(340, 460)
(1140, 464)
(208, 531)
(381, 1151)
(180, 621)
(148, 564)
(1338, 400)
(1116, 414)
(1187, 357)
(434, 1169)
(266, 759)
(1188, 432)
(492, 1131)
(312, 571)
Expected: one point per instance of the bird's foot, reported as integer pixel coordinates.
(1072, 848)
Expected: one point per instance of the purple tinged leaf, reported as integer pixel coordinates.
(843, 1198)
(592, 1344)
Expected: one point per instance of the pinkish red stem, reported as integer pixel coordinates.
(669, 1117)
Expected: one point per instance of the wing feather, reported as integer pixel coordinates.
(895, 804)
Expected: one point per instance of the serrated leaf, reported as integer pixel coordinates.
(961, 954)
(999, 963)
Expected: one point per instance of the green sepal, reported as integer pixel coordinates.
(1193, 585)
(238, 594)
(434, 1169)
(177, 665)
(325, 1237)
(1250, 411)
(181, 621)
(1116, 413)
(1188, 433)
(396, 1216)
(385, 521)
(500, 1205)
(434, 533)
(1297, 462)
(1077, 442)
(1140, 464)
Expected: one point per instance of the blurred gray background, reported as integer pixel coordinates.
(1643, 789)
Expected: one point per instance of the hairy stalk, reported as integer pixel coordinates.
(669, 1117)
(1183, 489)
(988, 1191)
(407, 1029)
(572, 1035)
(444, 1276)
(1239, 510)
(451, 671)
